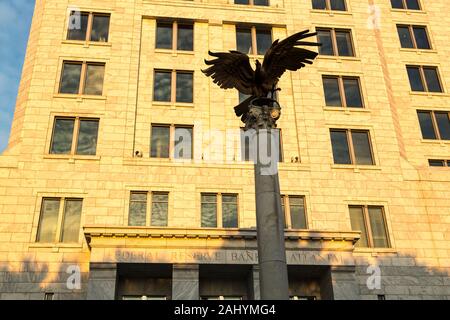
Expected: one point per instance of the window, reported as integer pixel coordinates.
(82, 78)
(138, 209)
(253, 2)
(439, 163)
(342, 92)
(88, 26)
(253, 40)
(406, 4)
(414, 37)
(222, 298)
(175, 35)
(337, 5)
(294, 212)
(49, 296)
(351, 147)
(247, 151)
(219, 210)
(335, 42)
(173, 86)
(424, 79)
(59, 220)
(434, 125)
(371, 222)
(171, 141)
(74, 136)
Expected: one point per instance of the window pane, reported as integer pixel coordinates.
(138, 209)
(413, 4)
(341, 153)
(324, 37)
(184, 87)
(332, 94)
(361, 146)
(164, 35)
(357, 222)
(71, 223)
(160, 209)
(448, 163)
(344, 43)
(244, 40)
(62, 136)
(414, 79)
(94, 79)
(48, 220)
(87, 137)
(160, 142)
(77, 26)
(319, 4)
(100, 28)
(261, 2)
(263, 40)
(241, 1)
(163, 83)
(421, 38)
(229, 211)
(443, 123)
(436, 163)
(70, 79)
(426, 125)
(432, 79)
(183, 143)
(337, 5)
(185, 39)
(405, 37)
(209, 211)
(397, 4)
(353, 93)
(298, 218)
(378, 227)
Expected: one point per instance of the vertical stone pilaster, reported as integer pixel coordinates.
(345, 286)
(185, 282)
(102, 281)
(254, 283)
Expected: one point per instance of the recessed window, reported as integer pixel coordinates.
(88, 26)
(335, 42)
(439, 163)
(371, 222)
(219, 210)
(351, 147)
(158, 216)
(173, 86)
(337, 5)
(294, 211)
(253, 40)
(74, 136)
(406, 4)
(171, 141)
(342, 92)
(414, 37)
(82, 78)
(175, 35)
(435, 125)
(424, 79)
(253, 2)
(59, 220)
(248, 153)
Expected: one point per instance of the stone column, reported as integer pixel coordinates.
(345, 286)
(102, 281)
(185, 282)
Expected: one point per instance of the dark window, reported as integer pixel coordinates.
(73, 72)
(434, 125)
(164, 35)
(437, 163)
(424, 79)
(160, 209)
(413, 4)
(184, 87)
(70, 80)
(181, 136)
(48, 221)
(94, 79)
(160, 142)
(342, 92)
(352, 93)
(319, 4)
(370, 221)
(297, 212)
(361, 147)
(185, 37)
(100, 28)
(209, 210)
(344, 43)
(241, 1)
(246, 36)
(341, 151)
(413, 37)
(78, 27)
(212, 204)
(62, 136)
(415, 79)
(443, 124)
(338, 5)
(432, 79)
(421, 37)
(138, 209)
(351, 147)
(324, 37)
(70, 230)
(163, 86)
(337, 42)
(87, 137)
(406, 4)
(397, 4)
(244, 40)
(253, 2)
(263, 40)
(229, 211)
(175, 35)
(405, 37)
(332, 92)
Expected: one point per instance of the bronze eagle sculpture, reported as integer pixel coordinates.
(232, 69)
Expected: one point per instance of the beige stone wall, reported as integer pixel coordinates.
(415, 196)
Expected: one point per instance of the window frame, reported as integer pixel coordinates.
(173, 86)
(175, 24)
(334, 44)
(149, 206)
(253, 33)
(342, 94)
(83, 75)
(424, 79)
(285, 200)
(219, 207)
(436, 128)
(366, 218)
(75, 135)
(172, 127)
(445, 162)
(413, 36)
(60, 220)
(328, 7)
(351, 148)
(89, 25)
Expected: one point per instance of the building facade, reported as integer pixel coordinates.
(125, 174)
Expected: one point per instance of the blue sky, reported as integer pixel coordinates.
(15, 20)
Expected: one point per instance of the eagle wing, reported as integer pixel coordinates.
(231, 70)
(284, 55)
